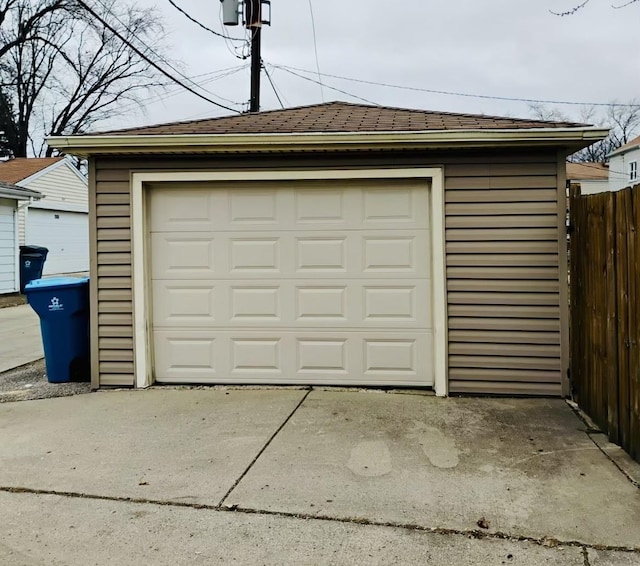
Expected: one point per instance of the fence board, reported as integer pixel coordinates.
(605, 323)
(634, 326)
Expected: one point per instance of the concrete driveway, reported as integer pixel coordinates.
(20, 339)
(288, 476)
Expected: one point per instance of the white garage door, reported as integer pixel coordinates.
(292, 284)
(7, 247)
(65, 234)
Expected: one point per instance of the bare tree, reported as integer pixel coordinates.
(578, 7)
(73, 71)
(622, 119)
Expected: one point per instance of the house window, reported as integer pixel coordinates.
(633, 170)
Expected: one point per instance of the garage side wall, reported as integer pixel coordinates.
(502, 255)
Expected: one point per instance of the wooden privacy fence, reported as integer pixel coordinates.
(605, 312)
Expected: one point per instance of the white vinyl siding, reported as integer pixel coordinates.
(62, 189)
(7, 246)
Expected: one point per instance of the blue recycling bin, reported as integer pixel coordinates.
(62, 303)
(32, 260)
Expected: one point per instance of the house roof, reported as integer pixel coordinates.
(587, 171)
(9, 190)
(635, 142)
(339, 117)
(15, 170)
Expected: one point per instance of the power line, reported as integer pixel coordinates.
(109, 10)
(221, 74)
(273, 86)
(315, 48)
(191, 18)
(287, 70)
(451, 93)
(144, 57)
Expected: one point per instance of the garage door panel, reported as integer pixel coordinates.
(185, 303)
(292, 284)
(184, 210)
(186, 357)
(180, 256)
(282, 255)
(337, 358)
(65, 234)
(404, 207)
(292, 303)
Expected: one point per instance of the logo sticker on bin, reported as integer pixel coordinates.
(27, 263)
(56, 305)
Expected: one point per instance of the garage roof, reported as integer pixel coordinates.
(340, 117)
(333, 126)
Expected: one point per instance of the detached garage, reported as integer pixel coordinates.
(333, 244)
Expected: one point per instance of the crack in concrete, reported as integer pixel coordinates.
(261, 452)
(590, 431)
(547, 541)
(585, 556)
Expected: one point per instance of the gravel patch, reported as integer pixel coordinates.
(29, 382)
(12, 300)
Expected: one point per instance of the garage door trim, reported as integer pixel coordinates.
(141, 285)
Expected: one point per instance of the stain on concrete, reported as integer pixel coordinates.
(438, 447)
(370, 459)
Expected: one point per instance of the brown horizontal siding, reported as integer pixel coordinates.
(510, 234)
(114, 289)
(506, 298)
(509, 285)
(501, 224)
(477, 387)
(495, 337)
(503, 196)
(509, 324)
(503, 279)
(495, 181)
(509, 350)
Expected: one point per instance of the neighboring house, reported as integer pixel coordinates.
(11, 198)
(334, 244)
(59, 221)
(623, 166)
(592, 177)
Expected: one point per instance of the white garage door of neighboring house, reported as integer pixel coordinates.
(7, 247)
(65, 234)
(296, 284)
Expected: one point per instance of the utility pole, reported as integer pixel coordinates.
(253, 21)
(253, 18)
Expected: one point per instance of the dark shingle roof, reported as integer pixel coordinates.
(340, 117)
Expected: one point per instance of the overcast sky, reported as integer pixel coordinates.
(503, 48)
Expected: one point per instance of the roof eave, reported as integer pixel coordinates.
(19, 193)
(622, 150)
(570, 138)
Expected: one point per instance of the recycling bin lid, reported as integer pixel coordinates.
(56, 282)
(33, 249)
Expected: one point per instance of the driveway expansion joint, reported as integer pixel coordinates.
(266, 445)
(547, 541)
